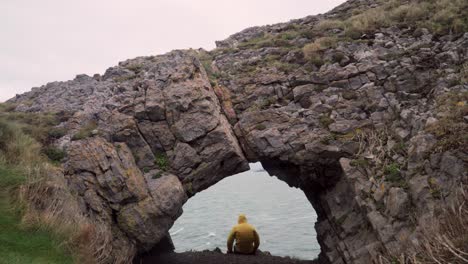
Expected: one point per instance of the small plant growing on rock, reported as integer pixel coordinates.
(56, 133)
(316, 60)
(400, 147)
(329, 24)
(326, 42)
(161, 161)
(361, 163)
(392, 172)
(329, 138)
(86, 131)
(189, 188)
(312, 51)
(325, 121)
(54, 154)
(464, 74)
(156, 175)
(135, 68)
(260, 127)
(337, 57)
(451, 128)
(284, 67)
(349, 95)
(434, 188)
(266, 102)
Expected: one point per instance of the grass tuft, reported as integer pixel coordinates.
(161, 161)
(86, 131)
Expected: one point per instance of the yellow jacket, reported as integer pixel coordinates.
(246, 237)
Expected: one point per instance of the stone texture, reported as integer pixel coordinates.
(166, 130)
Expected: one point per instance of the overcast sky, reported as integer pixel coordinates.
(53, 40)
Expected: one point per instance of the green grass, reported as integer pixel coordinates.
(85, 131)
(161, 161)
(55, 154)
(19, 245)
(37, 125)
(157, 175)
(20, 152)
(392, 172)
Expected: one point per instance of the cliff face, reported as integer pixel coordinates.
(369, 127)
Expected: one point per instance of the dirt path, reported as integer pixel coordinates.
(210, 257)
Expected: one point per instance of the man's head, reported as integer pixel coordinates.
(242, 219)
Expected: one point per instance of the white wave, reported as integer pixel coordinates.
(177, 231)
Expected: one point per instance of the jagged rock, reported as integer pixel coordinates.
(397, 202)
(160, 132)
(420, 147)
(452, 165)
(343, 126)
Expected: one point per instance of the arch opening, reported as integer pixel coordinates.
(282, 215)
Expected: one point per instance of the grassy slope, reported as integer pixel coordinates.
(18, 244)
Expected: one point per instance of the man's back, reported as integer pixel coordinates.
(246, 237)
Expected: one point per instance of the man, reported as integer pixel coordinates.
(246, 237)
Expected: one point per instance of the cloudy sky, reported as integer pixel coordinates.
(51, 40)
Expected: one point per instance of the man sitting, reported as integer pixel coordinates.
(246, 237)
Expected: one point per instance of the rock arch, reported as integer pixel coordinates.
(162, 139)
(153, 131)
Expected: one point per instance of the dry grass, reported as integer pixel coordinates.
(464, 73)
(326, 25)
(312, 51)
(451, 128)
(41, 195)
(373, 146)
(47, 204)
(444, 240)
(370, 20)
(375, 158)
(439, 16)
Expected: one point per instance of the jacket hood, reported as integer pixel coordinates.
(242, 219)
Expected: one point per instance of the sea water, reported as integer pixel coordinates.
(282, 215)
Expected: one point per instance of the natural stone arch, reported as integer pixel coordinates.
(157, 131)
(162, 138)
(173, 140)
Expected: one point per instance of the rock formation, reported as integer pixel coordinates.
(357, 133)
